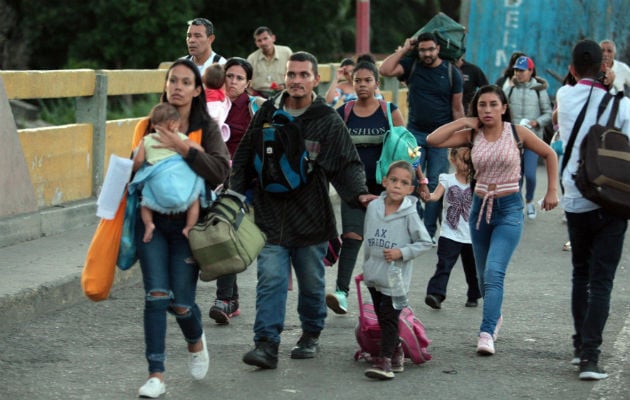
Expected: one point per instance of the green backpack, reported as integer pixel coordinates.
(398, 144)
(450, 35)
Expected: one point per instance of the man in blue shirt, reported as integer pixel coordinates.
(435, 98)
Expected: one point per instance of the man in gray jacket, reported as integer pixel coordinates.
(298, 224)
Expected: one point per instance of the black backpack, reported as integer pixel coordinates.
(602, 175)
(281, 160)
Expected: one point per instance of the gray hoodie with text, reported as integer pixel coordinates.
(401, 229)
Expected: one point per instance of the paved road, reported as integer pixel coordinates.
(85, 350)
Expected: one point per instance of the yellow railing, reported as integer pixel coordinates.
(67, 163)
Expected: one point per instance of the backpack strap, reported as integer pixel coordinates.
(576, 127)
(614, 110)
(387, 105)
(450, 72)
(519, 144)
(347, 109)
(216, 58)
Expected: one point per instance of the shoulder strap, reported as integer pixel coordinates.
(347, 109)
(385, 106)
(517, 139)
(216, 58)
(576, 127)
(413, 68)
(615, 108)
(389, 113)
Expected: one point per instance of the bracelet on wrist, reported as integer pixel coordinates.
(423, 181)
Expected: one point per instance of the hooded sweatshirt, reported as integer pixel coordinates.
(401, 229)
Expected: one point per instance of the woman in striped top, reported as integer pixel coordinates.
(496, 216)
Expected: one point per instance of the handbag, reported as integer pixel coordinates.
(127, 255)
(226, 240)
(98, 272)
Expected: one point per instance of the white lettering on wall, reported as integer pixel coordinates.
(510, 28)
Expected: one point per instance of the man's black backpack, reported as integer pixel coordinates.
(603, 168)
(281, 160)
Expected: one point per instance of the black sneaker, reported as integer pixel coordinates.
(576, 357)
(264, 355)
(307, 347)
(223, 310)
(433, 301)
(589, 371)
(471, 303)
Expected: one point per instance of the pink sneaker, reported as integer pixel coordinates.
(485, 345)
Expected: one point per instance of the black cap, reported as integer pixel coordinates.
(586, 52)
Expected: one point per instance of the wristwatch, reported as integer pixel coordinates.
(423, 181)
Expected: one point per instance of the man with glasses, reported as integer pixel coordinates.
(434, 99)
(199, 38)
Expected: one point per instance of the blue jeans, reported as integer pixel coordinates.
(167, 267)
(448, 251)
(597, 243)
(227, 289)
(434, 161)
(530, 164)
(493, 245)
(274, 264)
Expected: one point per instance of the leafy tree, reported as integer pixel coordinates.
(53, 34)
(313, 26)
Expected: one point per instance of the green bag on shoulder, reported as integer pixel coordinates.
(398, 144)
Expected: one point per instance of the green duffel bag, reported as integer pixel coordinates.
(226, 240)
(451, 36)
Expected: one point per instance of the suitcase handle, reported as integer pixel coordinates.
(358, 279)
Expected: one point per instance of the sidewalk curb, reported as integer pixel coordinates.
(31, 303)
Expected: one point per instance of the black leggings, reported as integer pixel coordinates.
(388, 321)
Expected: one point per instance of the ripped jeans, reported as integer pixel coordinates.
(167, 267)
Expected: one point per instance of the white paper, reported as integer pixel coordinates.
(118, 174)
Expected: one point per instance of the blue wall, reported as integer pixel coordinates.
(544, 30)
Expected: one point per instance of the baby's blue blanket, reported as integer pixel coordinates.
(169, 186)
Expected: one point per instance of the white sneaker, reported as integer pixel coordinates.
(198, 362)
(485, 345)
(152, 389)
(531, 211)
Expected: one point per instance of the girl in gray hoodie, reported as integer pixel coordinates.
(393, 233)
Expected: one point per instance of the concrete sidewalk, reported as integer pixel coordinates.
(43, 275)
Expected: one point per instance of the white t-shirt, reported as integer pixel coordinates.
(570, 101)
(457, 201)
(209, 61)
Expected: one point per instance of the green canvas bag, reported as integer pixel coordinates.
(226, 240)
(450, 35)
